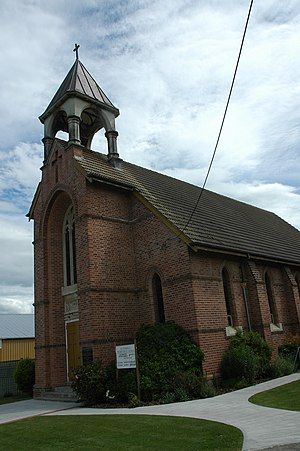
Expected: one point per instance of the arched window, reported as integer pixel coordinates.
(272, 306)
(298, 283)
(228, 297)
(69, 247)
(158, 299)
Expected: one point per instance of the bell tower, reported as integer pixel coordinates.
(80, 108)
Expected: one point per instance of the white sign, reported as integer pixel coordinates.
(125, 357)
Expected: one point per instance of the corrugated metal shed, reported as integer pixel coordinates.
(16, 326)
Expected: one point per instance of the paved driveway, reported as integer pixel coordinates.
(262, 427)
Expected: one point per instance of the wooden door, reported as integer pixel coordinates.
(73, 349)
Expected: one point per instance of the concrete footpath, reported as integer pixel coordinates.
(30, 408)
(263, 427)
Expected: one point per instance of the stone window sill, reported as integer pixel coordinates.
(69, 290)
(276, 327)
(232, 331)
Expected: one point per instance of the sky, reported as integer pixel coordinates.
(167, 65)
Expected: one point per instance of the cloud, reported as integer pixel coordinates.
(18, 178)
(16, 299)
(16, 266)
(168, 67)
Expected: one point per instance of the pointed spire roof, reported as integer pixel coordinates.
(79, 82)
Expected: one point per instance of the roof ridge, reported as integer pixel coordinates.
(73, 77)
(188, 183)
(101, 155)
(207, 190)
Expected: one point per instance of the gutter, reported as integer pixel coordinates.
(224, 250)
(121, 185)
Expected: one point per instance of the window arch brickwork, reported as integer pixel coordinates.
(271, 300)
(297, 278)
(158, 299)
(228, 297)
(69, 247)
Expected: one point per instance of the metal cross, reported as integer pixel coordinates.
(76, 50)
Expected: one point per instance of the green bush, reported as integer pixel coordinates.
(134, 401)
(125, 388)
(281, 366)
(235, 384)
(289, 351)
(24, 375)
(195, 386)
(166, 352)
(170, 370)
(239, 363)
(89, 383)
(258, 345)
(168, 398)
(208, 390)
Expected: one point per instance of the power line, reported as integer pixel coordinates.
(223, 119)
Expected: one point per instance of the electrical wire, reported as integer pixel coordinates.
(223, 119)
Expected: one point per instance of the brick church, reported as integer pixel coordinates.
(113, 249)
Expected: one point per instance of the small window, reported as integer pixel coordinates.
(228, 297)
(272, 306)
(158, 299)
(69, 248)
(87, 356)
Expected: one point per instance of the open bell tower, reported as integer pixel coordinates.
(80, 108)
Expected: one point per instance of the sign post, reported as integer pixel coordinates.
(137, 370)
(127, 359)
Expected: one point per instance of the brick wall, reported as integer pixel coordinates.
(120, 245)
(211, 307)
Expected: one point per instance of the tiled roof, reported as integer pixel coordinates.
(219, 222)
(80, 81)
(16, 326)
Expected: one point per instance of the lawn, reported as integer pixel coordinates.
(16, 398)
(283, 397)
(118, 432)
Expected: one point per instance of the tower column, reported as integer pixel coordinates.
(74, 130)
(47, 146)
(111, 136)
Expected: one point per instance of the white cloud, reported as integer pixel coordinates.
(16, 299)
(167, 66)
(16, 251)
(16, 267)
(20, 168)
(276, 197)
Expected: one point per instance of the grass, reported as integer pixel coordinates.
(16, 398)
(118, 432)
(284, 397)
